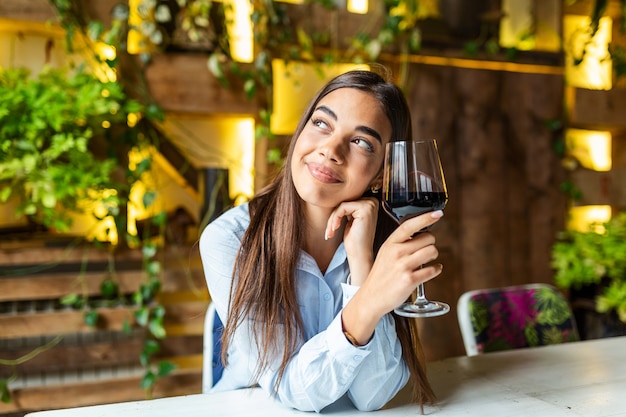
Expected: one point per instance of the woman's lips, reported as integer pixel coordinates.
(321, 173)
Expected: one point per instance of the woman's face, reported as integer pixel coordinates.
(339, 153)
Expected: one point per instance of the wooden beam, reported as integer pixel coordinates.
(28, 10)
(187, 316)
(80, 394)
(598, 109)
(54, 286)
(183, 83)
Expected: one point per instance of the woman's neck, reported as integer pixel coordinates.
(315, 244)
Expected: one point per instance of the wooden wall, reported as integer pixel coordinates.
(503, 178)
(92, 365)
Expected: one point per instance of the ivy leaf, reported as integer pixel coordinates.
(249, 88)
(95, 29)
(148, 198)
(151, 347)
(70, 300)
(109, 289)
(148, 380)
(165, 368)
(91, 318)
(142, 315)
(126, 327)
(5, 394)
(156, 328)
(160, 219)
(149, 251)
(215, 67)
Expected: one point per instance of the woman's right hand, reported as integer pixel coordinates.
(400, 265)
(398, 269)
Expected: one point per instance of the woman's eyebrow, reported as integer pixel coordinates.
(367, 130)
(327, 111)
(371, 132)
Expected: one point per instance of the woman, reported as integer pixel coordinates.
(301, 275)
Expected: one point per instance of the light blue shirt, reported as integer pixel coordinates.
(327, 366)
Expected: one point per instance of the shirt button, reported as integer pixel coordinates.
(326, 297)
(357, 357)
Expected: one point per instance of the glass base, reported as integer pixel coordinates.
(423, 309)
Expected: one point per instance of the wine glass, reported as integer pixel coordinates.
(413, 184)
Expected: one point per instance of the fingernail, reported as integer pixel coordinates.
(326, 235)
(437, 214)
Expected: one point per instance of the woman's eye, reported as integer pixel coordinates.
(364, 144)
(320, 123)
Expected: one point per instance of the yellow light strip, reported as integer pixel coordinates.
(481, 64)
(586, 218)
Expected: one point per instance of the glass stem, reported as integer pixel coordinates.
(421, 296)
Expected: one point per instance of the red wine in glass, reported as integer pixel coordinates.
(413, 184)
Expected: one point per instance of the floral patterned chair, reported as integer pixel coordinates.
(514, 317)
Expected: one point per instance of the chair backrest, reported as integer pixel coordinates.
(514, 317)
(212, 366)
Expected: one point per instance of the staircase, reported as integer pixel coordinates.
(71, 364)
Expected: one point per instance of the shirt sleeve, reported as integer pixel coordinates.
(327, 366)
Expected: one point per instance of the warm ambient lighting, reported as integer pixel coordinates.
(592, 149)
(216, 142)
(140, 22)
(516, 25)
(295, 83)
(527, 26)
(595, 71)
(358, 6)
(586, 218)
(239, 27)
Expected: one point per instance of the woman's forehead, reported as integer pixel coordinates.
(352, 105)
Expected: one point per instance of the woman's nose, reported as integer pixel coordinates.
(332, 149)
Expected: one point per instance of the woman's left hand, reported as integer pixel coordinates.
(358, 235)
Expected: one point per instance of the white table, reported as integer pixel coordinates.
(574, 379)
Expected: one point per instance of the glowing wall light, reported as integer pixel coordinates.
(101, 69)
(516, 24)
(221, 141)
(592, 149)
(531, 25)
(239, 27)
(141, 24)
(358, 6)
(295, 84)
(586, 218)
(595, 71)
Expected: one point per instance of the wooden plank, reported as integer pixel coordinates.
(28, 10)
(190, 315)
(598, 109)
(68, 358)
(35, 252)
(55, 286)
(62, 322)
(176, 287)
(105, 354)
(182, 83)
(30, 252)
(58, 396)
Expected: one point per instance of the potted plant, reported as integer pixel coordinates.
(592, 266)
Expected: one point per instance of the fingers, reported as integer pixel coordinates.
(351, 209)
(409, 228)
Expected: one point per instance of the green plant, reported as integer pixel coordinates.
(65, 136)
(596, 257)
(47, 127)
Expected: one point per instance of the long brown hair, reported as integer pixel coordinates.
(263, 288)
